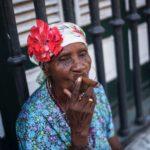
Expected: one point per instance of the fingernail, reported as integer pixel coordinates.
(79, 79)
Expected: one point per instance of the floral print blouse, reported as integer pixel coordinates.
(41, 124)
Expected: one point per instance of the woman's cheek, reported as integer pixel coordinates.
(65, 64)
(64, 67)
(87, 61)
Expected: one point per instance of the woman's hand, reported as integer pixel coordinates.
(79, 112)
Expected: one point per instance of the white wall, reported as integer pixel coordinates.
(139, 3)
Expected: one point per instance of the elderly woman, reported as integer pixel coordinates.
(60, 114)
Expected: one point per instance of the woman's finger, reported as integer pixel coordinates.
(91, 94)
(88, 104)
(75, 93)
(67, 93)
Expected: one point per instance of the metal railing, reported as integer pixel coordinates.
(117, 24)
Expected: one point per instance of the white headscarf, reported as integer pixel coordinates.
(71, 33)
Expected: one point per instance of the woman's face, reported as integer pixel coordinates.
(73, 62)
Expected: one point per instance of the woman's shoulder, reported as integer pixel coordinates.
(100, 94)
(102, 108)
(39, 93)
(33, 104)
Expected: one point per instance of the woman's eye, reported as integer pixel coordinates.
(83, 53)
(64, 59)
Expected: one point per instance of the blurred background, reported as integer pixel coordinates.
(118, 36)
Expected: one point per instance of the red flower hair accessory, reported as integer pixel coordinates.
(44, 42)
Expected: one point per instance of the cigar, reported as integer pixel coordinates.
(86, 83)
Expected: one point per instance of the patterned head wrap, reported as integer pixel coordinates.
(46, 41)
(71, 33)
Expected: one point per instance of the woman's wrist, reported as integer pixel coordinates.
(78, 139)
(77, 147)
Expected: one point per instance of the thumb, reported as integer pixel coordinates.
(67, 92)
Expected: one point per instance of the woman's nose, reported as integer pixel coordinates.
(78, 65)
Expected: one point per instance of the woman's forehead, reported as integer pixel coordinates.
(73, 47)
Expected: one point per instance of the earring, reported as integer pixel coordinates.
(41, 78)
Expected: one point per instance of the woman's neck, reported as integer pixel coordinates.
(58, 95)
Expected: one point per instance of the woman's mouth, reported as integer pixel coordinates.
(73, 79)
(77, 75)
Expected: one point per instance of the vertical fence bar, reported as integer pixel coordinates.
(96, 31)
(117, 24)
(133, 19)
(40, 9)
(16, 59)
(13, 85)
(68, 9)
(147, 14)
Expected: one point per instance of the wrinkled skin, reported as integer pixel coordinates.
(65, 74)
(73, 62)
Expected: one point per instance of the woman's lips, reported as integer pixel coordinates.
(74, 77)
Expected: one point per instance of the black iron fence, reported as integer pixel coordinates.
(13, 81)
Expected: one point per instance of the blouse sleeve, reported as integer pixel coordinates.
(110, 125)
(30, 132)
(107, 114)
(33, 132)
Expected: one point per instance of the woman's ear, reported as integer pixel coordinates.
(45, 68)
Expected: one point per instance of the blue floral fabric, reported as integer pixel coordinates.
(41, 124)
